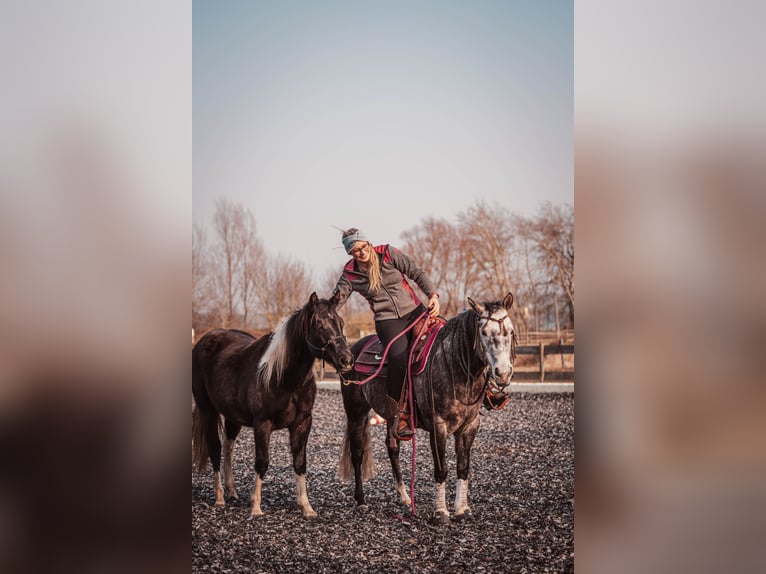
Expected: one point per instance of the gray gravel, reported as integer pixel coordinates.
(521, 493)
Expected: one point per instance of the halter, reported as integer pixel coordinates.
(322, 350)
(490, 381)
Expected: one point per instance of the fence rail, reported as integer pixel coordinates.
(540, 350)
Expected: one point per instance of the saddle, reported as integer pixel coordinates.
(371, 354)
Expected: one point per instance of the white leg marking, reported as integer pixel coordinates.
(461, 497)
(401, 490)
(228, 476)
(441, 498)
(257, 497)
(218, 490)
(303, 497)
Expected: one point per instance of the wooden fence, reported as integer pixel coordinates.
(541, 350)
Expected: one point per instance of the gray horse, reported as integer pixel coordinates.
(472, 357)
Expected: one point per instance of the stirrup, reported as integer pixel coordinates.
(402, 430)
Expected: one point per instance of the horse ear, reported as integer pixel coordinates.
(335, 299)
(508, 301)
(314, 300)
(478, 307)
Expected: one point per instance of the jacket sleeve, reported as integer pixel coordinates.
(407, 265)
(344, 288)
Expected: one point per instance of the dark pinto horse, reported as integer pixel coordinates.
(472, 354)
(266, 383)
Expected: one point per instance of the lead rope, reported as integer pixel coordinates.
(385, 354)
(413, 416)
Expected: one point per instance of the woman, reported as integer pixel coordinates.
(378, 274)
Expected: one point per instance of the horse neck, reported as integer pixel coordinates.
(300, 358)
(466, 351)
(287, 360)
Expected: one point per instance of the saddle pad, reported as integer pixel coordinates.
(371, 354)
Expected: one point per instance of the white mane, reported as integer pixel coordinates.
(273, 360)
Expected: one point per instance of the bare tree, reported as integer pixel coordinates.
(437, 247)
(200, 276)
(227, 222)
(239, 267)
(288, 286)
(551, 236)
(252, 276)
(487, 242)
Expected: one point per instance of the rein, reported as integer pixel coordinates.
(385, 354)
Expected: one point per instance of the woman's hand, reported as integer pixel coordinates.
(433, 305)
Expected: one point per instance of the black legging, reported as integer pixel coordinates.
(397, 354)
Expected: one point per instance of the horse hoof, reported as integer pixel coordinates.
(466, 515)
(440, 518)
(361, 507)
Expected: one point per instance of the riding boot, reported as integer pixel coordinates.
(400, 429)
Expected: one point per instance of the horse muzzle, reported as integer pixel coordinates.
(345, 362)
(502, 378)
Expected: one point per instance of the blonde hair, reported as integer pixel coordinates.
(374, 271)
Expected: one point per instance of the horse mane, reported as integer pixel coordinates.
(461, 330)
(274, 359)
(461, 324)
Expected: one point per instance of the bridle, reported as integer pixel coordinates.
(491, 389)
(323, 349)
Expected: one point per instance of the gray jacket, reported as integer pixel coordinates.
(395, 299)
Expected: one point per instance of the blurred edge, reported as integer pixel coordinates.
(95, 207)
(95, 173)
(669, 209)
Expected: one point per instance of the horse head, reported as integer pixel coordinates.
(325, 337)
(496, 339)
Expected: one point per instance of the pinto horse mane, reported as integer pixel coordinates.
(288, 336)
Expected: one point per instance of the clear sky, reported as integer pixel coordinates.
(378, 114)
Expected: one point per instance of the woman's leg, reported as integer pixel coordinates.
(397, 353)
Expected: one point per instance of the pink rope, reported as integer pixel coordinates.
(413, 422)
(385, 353)
(411, 400)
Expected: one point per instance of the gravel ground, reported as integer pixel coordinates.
(521, 493)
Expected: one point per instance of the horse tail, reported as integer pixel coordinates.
(201, 422)
(346, 465)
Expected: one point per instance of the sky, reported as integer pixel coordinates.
(377, 115)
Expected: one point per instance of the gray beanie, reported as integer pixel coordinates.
(351, 237)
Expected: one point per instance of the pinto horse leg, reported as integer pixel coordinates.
(463, 443)
(393, 455)
(438, 450)
(299, 435)
(214, 449)
(262, 435)
(359, 444)
(232, 430)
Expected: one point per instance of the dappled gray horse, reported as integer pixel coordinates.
(473, 355)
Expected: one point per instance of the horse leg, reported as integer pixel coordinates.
(299, 436)
(232, 430)
(438, 450)
(463, 443)
(213, 441)
(359, 445)
(262, 435)
(393, 454)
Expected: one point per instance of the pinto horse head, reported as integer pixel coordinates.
(325, 337)
(497, 339)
